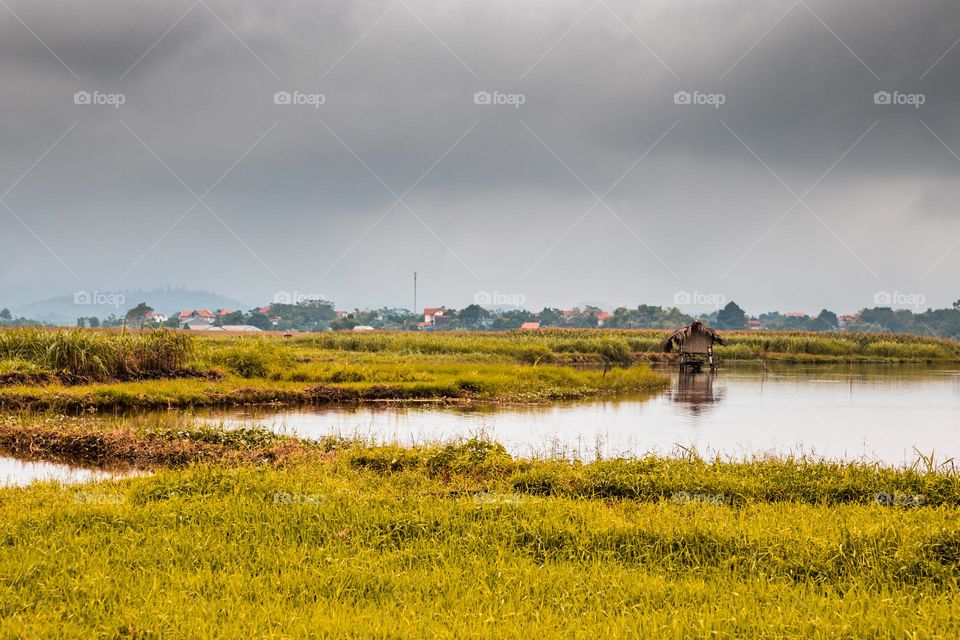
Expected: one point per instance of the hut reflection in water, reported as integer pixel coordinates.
(695, 390)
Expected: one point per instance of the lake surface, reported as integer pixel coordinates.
(881, 413)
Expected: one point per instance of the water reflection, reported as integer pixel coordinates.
(695, 391)
(18, 473)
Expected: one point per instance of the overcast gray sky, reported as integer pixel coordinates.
(797, 191)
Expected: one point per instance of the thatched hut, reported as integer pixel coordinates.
(695, 343)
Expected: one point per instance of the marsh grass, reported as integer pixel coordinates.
(368, 378)
(96, 356)
(457, 540)
(73, 370)
(564, 346)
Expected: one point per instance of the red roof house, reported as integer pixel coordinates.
(432, 314)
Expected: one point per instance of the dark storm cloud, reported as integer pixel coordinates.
(505, 198)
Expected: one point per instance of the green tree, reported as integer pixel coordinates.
(344, 324)
(5, 314)
(260, 321)
(232, 318)
(550, 317)
(827, 321)
(732, 317)
(473, 314)
(138, 315)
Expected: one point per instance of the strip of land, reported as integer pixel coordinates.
(75, 370)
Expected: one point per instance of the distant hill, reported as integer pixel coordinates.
(64, 310)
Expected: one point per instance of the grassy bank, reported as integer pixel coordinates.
(454, 382)
(77, 370)
(596, 346)
(464, 541)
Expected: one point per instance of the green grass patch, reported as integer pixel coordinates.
(462, 540)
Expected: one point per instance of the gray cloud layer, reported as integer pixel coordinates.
(511, 206)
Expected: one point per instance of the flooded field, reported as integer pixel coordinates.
(884, 413)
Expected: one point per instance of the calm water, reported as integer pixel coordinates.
(877, 413)
(17, 473)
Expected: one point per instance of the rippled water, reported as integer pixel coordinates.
(878, 413)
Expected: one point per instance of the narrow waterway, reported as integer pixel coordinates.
(888, 414)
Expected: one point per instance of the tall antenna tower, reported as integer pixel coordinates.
(414, 293)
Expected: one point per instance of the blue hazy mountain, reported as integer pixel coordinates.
(64, 310)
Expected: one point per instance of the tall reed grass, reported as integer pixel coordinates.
(98, 356)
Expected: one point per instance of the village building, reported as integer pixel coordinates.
(236, 328)
(435, 315)
(195, 317)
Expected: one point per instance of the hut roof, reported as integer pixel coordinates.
(681, 334)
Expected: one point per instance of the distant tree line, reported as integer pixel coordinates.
(320, 315)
